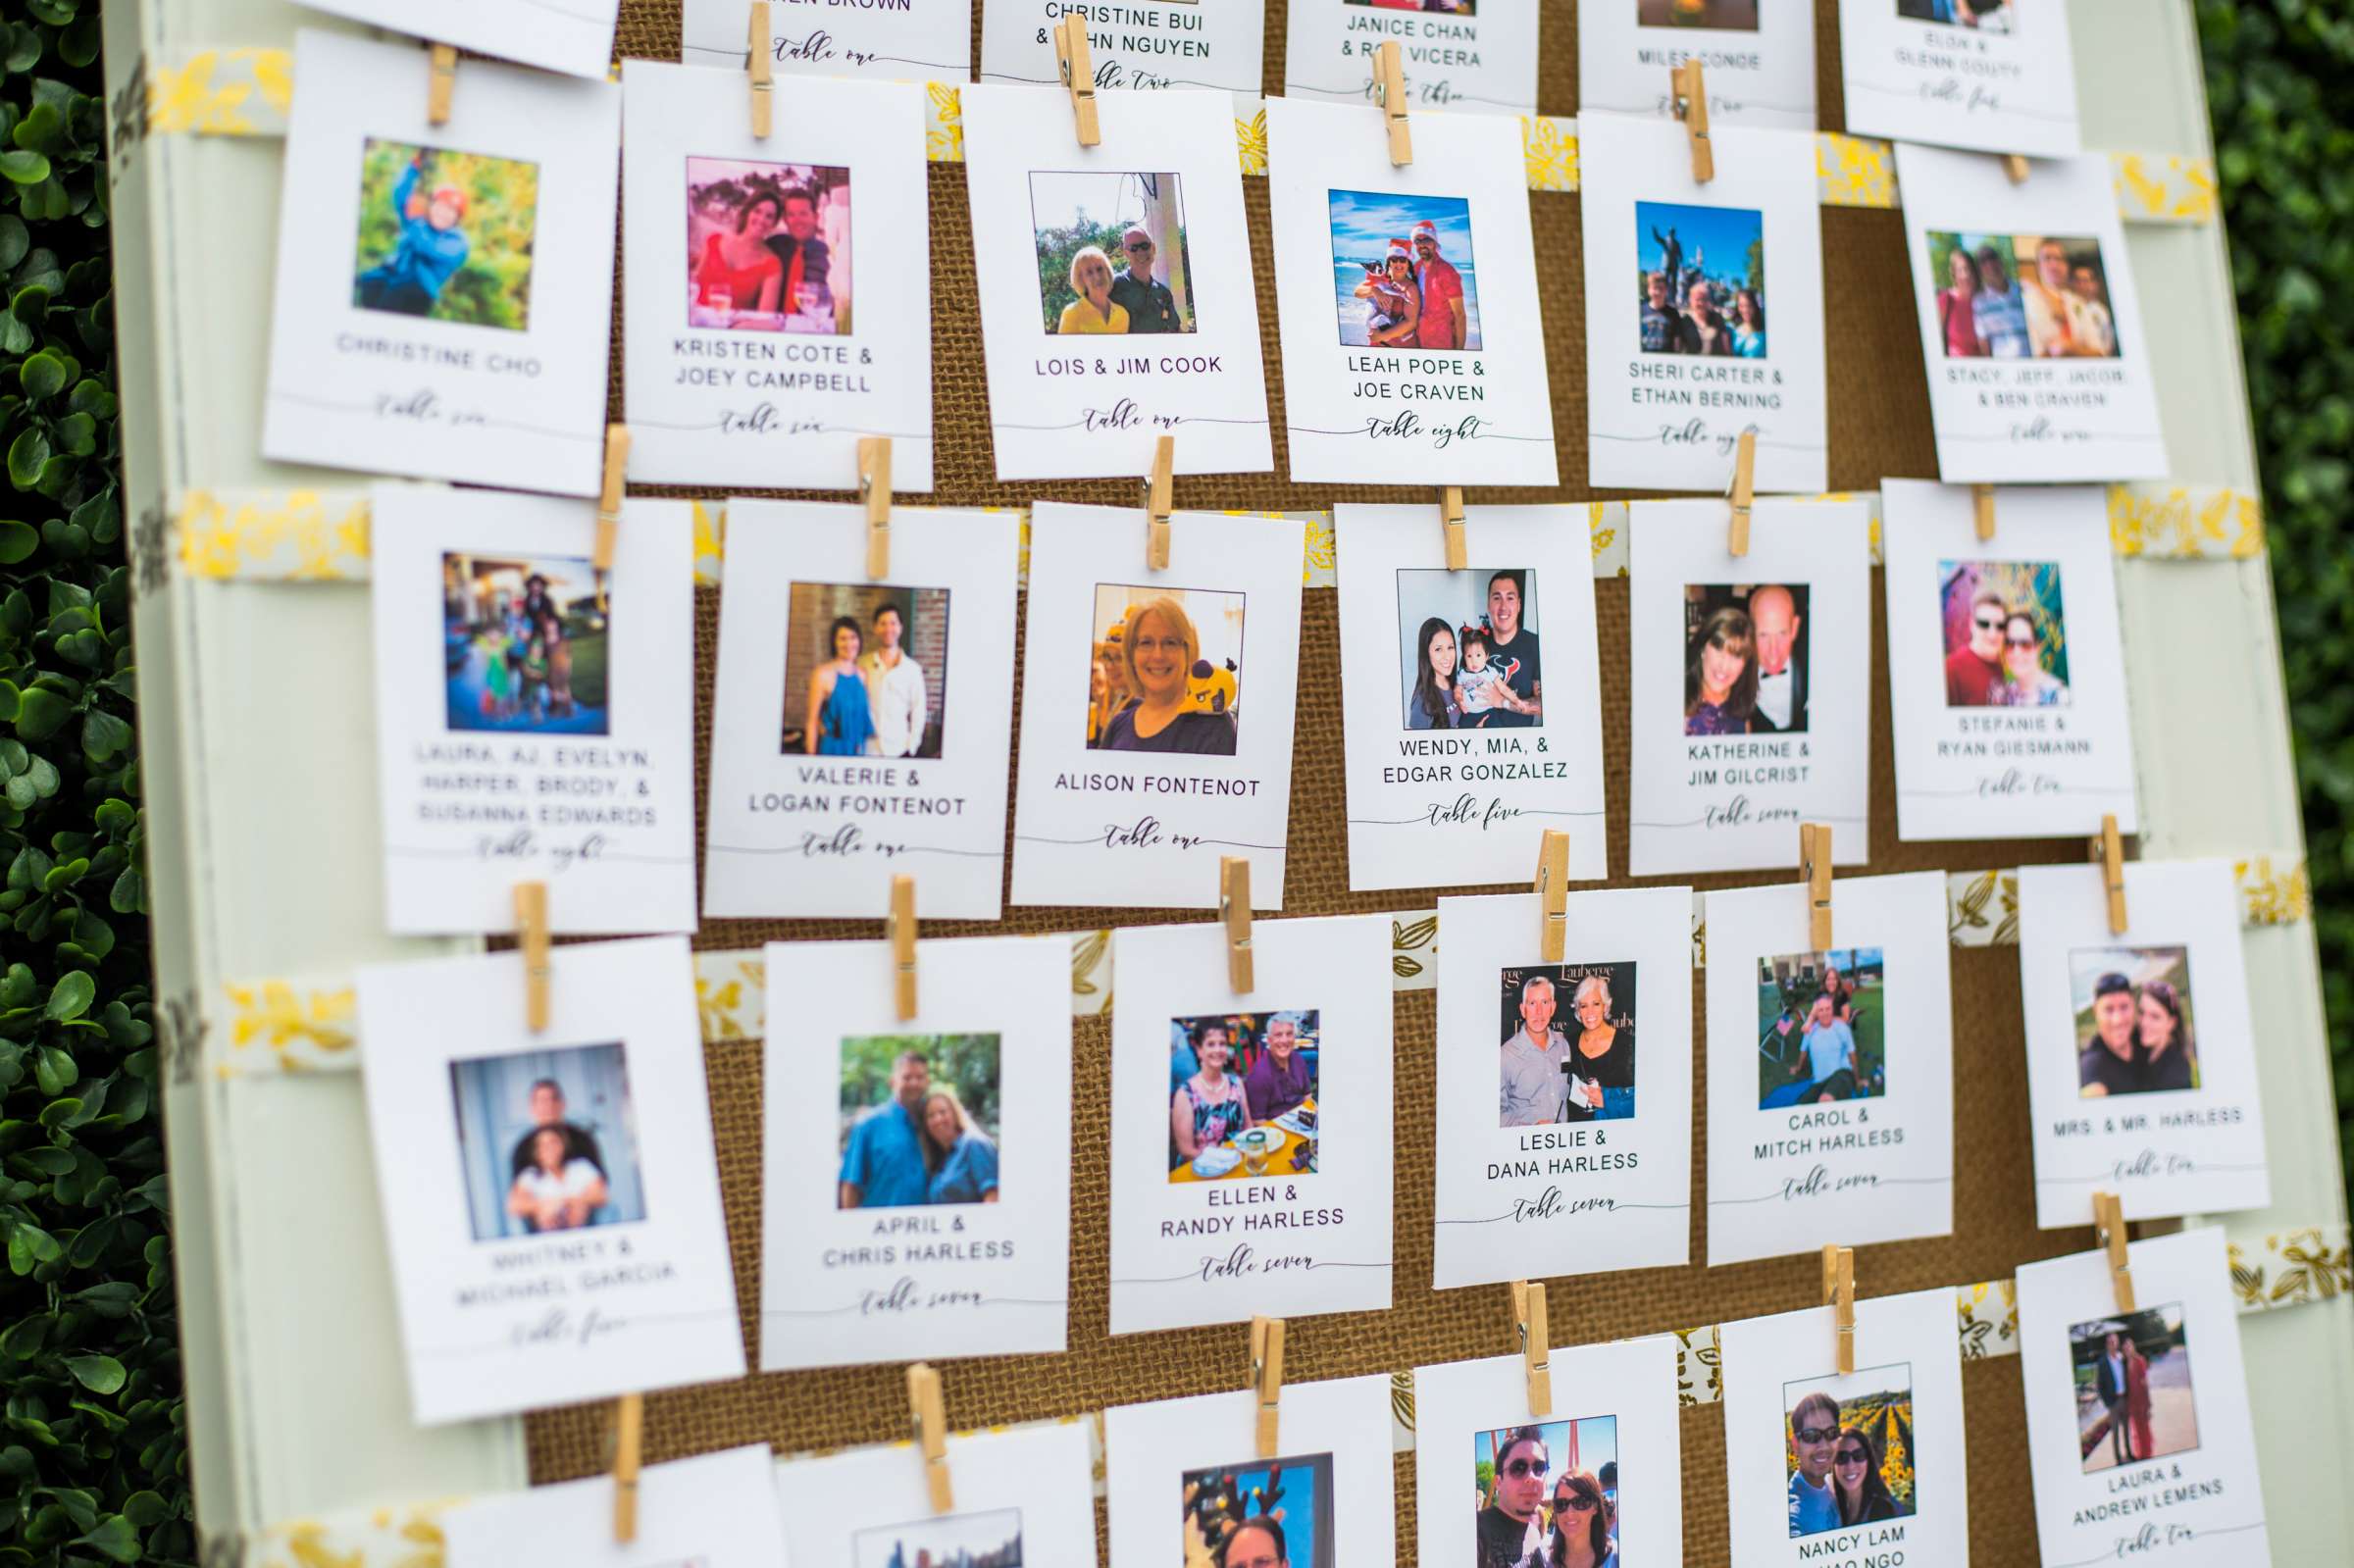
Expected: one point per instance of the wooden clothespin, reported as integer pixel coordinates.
(1839, 1292)
(1078, 66)
(758, 64)
(931, 1415)
(1536, 1344)
(901, 925)
(530, 931)
(1451, 519)
(608, 498)
(1744, 490)
(2015, 167)
(441, 84)
(1553, 893)
(1688, 90)
(874, 488)
(1389, 91)
(2109, 848)
(1160, 499)
(1233, 910)
(629, 1453)
(2109, 1229)
(1983, 501)
(1266, 1380)
(1814, 865)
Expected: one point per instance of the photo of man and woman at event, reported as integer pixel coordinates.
(919, 1119)
(1083, 221)
(1165, 671)
(1547, 1494)
(2132, 1383)
(2022, 296)
(1581, 1069)
(445, 234)
(1264, 1513)
(768, 247)
(1402, 270)
(991, 1539)
(2005, 635)
(1685, 307)
(1745, 658)
(1467, 649)
(1728, 16)
(1821, 1026)
(1242, 1094)
(1985, 15)
(863, 665)
(524, 645)
(1850, 1449)
(2132, 1020)
(546, 1140)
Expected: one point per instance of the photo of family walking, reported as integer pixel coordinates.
(1262, 1513)
(1402, 270)
(1111, 253)
(991, 1539)
(1569, 1053)
(1745, 658)
(1467, 649)
(524, 645)
(1688, 303)
(2006, 634)
(1546, 1493)
(864, 670)
(1242, 1094)
(2022, 296)
(2133, 1018)
(546, 1140)
(1986, 16)
(919, 1119)
(1165, 669)
(768, 247)
(2134, 1393)
(1822, 1025)
(1849, 1449)
(445, 234)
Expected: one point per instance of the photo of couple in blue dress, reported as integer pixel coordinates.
(919, 1121)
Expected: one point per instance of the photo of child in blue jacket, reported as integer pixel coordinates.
(429, 249)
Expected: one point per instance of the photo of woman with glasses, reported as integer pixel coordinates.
(2006, 637)
(1849, 1449)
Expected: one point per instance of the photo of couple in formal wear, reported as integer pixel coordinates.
(1467, 645)
(768, 247)
(546, 1140)
(1983, 16)
(2006, 638)
(524, 645)
(2022, 296)
(1242, 1094)
(1402, 270)
(991, 1539)
(1850, 1449)
(1165, 671)
(919, 1121)
(864, 670)
(1547, 1494)
(2132, 1383)
(1687, 308)
(445, 234)
(1821, 1028)
(1262, 1513)
(1111, 255)
(1745, 659)
(1568, 1053)
(2132, 1020)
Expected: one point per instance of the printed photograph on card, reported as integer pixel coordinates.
(1751, 684)
(1757, 57)
(573, 36)
(1412, 341)
(860, 727)
(443, 290)
(1714, 324)
(1459, 762)
(778, 296)
(1183, 44)
(1245, 1096)
(919, 40)
(1993, 75)
(2029, 324)
(1022, 1496)
(1477, 56)
(1830, 1070)
(2141, 1056)
(717, 1510)
(1116, 297)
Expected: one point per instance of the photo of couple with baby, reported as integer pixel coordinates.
(1469, 650)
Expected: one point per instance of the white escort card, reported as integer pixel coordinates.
(1022, 1496)
(897, 40)
(2158, 1010)
(716, 1510)
(573, 36)
(1577, 1156)
(535, 717)
(1757, 58)
(1454, 54)
(1154, 45)
(2007, 663)
(1830, 1070)
(859, 728)
(1471, 746)
(1251, 1166)
(443, 291)
(1997, 75)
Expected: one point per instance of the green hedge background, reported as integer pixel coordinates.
(94, 1466)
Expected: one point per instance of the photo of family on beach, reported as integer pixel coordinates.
(1242, 1094)
(1729, 15)
(1402, 270)
(1689, 304)
(546, 1140)
(1467, 648)
(1745, 658)
(1849, 1450)
(1822, 1026)
(1986, 16)
(445, 234)
(919, 1119)
(2133, 1019)
(2006, 634)
(2132, 1384)
(991, 1539)
(1546, 1493)
(1568, 1053)
(865, 667)
(1111, 253)
(2022, 296)
(768, 247)
(1262, 1513)
(1165, 671)
(524, 645)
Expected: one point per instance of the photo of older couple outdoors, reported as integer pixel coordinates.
(1849, 1452)
(919, 1119)
(1467, 646)
(1165, 669)
(523, 645)
(1745, 659)
(1262, 1513)
(1402, 270)
(1242, 1094)
(2132, 1018)
(2006, 638)
(1822, 1025)
(1111, 253)
(2132, 1386)
(1580, 1068)
(1547, 1494)
(863, 670)
(546, 1140)
(2022, 296)
(768, 247)
(1685, 307)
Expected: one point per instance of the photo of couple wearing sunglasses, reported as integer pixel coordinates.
(1850, 1449)
(1547, 1494)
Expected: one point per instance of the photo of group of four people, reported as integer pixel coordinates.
(1685, 307)
(2022, 296)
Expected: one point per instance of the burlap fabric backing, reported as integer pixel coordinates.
(1879, 426)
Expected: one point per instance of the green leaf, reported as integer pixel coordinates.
(71, 996)
(24, 167)
(128, 895)
(103, 735)
(42, 712)
(100, 1374)
(18, 540)
(114, 1539)
(44, 377)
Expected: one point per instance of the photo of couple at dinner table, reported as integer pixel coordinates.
(1242, 1094)
(1821, 1021)
(919, 1121)
(768, 247)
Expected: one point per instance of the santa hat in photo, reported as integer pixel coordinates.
(1399, 251)
(1427, 226)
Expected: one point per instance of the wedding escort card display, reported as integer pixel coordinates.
(859, 725)
(442, 290)
(573, 36)
(2038, 368)
(1575, 1156)
(1470, 747)
(1457, 57)
(551, 1197)
(1751, 682)
(905, 40)
(2141, 1442)
(535, 716)
(1997, 75)
(1830, 1067)
(716, 1510)
(1682, 364)
(1157, 708)
(1414, 351)
(2141, 1056)
(763, 343)
(1025, 1496)
(1159, 44)
(1137, 233)
(2006, 662)
(1250, 1167)
(1756, 60)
